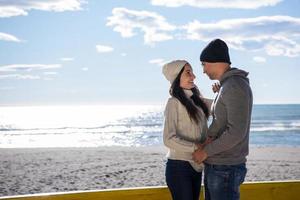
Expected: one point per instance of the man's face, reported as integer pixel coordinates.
(209, 69)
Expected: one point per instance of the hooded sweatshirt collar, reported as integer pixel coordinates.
(234, 72)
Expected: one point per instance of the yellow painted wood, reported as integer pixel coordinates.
(288, 190)
(154, 193)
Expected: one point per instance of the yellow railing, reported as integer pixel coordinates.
(284, 190)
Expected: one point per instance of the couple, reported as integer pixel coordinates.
(219, 149)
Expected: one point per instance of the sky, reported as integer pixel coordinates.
(75, 52)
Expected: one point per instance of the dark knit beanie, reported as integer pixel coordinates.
(215, 51)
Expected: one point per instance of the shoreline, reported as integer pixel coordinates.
(44, 170)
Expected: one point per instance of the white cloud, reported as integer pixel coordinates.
(128, 22)
(8, 37)
(27, 67)
(157, 61)
(104, 49)
(238, 4)
(84, 69)
(10, 8)
(277, 35)
(18, 76)
(67, 59)
(259, 59)
(123, 54)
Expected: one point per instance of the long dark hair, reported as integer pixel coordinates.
(177, 92)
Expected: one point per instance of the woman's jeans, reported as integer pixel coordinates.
(222, 182)
(183, 181)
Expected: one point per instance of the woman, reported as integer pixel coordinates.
(185, 129)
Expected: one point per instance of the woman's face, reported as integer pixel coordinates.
(187, 77)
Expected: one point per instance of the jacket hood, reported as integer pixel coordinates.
(234, 72)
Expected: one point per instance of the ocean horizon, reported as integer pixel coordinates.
(126, 125)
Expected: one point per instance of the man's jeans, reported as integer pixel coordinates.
(183, 181)
(222, 182)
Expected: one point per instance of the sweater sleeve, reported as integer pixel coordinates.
(238, 111)
(170, 138)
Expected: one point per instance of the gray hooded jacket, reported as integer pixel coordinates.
(231, 111)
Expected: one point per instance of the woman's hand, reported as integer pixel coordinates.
(216, 87)
(199, 156)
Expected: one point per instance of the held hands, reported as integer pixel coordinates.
(200, 155)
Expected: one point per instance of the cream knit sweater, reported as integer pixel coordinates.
(181, 133)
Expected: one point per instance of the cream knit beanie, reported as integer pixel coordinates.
(172, 69)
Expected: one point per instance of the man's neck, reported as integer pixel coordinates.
(223, 68)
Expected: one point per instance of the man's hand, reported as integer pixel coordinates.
(199, 155)
(208, 140)
(202, 145)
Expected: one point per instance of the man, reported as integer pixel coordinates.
(225, 156)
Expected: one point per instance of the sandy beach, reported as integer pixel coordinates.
(40, 170)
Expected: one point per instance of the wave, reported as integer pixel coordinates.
(258, 126)
(275, 125)
(275, 129)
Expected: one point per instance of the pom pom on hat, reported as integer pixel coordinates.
(172, 69)
(215, 51)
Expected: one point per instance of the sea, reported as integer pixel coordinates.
(126, 125)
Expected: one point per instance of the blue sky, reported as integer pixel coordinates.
(90, 52)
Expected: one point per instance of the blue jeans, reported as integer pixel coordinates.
(222, 182)
(183, 181)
